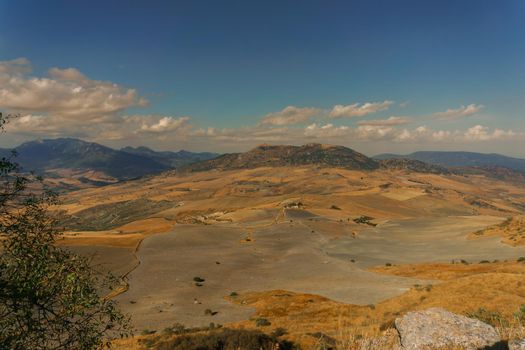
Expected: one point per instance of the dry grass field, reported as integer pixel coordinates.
(316, 251)
(511, 231)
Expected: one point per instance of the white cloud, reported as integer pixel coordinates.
(68, 74)
(165, 124)
(289, 115)
(209, 131)
(66, 93)
(463, 111)
(375, 132)
(391, 121)
(482, 133)
(68, 103)
(327, 130)
(441, 135)
(359, 110)
(15, 67)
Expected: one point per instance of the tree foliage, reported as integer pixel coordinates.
(50, 298)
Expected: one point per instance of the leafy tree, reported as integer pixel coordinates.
(50, 298)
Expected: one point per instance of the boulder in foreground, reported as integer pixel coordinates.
(438, 328)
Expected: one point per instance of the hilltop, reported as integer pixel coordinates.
(275, 156)
(320, 155)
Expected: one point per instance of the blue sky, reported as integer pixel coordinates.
(206, 74)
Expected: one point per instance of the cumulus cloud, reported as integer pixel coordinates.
(327, 130)
(68, 74)
(463, 111)
(418, 135)
(65, 102)
(246, 135)
(33, 124)
(358, 110)
(165, 124)
(391, 121)
(15, 67)
(66, 93)
(482, 133)
(289, 115)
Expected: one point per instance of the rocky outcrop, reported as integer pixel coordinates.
(438, 328)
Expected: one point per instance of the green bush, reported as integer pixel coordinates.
(520, 314)
(210, 312)
(148, 331)
(262, 322)
(493, 318)
(363, 219)
(278, 332)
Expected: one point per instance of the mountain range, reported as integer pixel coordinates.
(91, 164)
(57, 157)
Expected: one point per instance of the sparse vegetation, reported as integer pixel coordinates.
(493, 318)
(366, 220)
(148, 331)
(262, 322)
(210, 312)
(219, 339)
(279, 332)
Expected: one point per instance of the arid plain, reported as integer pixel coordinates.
(228, 246)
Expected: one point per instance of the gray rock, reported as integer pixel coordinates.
(435, 328)
(517, 344)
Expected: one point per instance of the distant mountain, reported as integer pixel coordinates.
(171, 159)
(412, 165)
(462, 159)
(310, 154)
(93, 163)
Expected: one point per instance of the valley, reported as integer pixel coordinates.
(191, 241)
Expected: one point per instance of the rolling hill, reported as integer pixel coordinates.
(310, 154)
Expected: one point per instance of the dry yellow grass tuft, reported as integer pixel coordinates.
(498, 288)
(511, 230)
(446, 272)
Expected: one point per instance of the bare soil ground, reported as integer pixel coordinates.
(295, 256)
